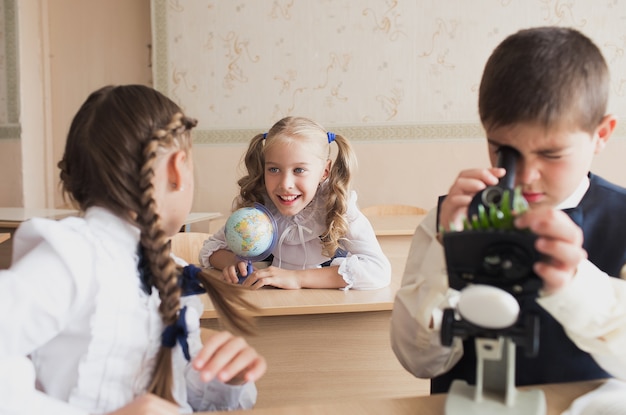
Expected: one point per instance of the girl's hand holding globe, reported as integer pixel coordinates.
(251, 235)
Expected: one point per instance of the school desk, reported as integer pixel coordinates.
(326, 344)
(194, 217)
(395, 225)
(394, 233)
(558, 398)
(12, 217)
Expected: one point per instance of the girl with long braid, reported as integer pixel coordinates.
(324, 241)
(97, 316)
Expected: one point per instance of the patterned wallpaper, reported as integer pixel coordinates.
(9, 92)
(373, 69)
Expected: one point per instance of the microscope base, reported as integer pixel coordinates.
(460, 400)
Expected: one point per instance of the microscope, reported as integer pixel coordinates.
(491, 263)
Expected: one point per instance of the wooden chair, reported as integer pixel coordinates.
(4, 237)
(394, 220)
(387, 210)
(187, 245)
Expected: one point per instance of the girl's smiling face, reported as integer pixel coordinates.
(293, 172)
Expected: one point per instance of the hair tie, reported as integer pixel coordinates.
(145, 274)
(188, 281)
(331, 137)
(177, 332)
(264, 136)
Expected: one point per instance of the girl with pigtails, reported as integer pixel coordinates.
(97, 316)
(323, 239)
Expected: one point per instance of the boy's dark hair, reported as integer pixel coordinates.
(548, 75)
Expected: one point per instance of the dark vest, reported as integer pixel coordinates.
(602, 216)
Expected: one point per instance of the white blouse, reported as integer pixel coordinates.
(299, 246)
(79, 335)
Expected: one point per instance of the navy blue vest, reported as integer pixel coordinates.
(601, 215)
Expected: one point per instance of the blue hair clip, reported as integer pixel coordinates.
(331, 137)
(264, 136)
(177, 332)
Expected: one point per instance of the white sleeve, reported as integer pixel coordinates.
(218, 396)
(215, 242)
(37, 299)
(592, 310)
(421, 299)
(366, 267)
(18, 394)
(213, 395)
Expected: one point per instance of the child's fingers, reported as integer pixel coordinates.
(224, 356)
(562, 255)
(210, 346)
(217, 365)
(256, 369)
(229, 274)
(488, 177)
(560, 241)
(551, 223)
(253, 281)
(553, 275)
(467, 185)
(470, 182)
(240, 367)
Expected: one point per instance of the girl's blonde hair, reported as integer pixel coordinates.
(113, 143)
(312, 134)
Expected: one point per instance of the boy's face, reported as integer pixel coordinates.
(552, 162)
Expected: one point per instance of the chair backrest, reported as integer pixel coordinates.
(390, 210)
(187, 245)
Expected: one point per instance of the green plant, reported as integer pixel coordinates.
(497, 217)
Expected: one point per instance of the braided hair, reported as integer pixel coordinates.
(113, 143)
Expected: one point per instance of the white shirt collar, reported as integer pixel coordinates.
(574, 199)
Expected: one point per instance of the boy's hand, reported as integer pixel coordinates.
(560, 239)
(467, 184)
(228, 358)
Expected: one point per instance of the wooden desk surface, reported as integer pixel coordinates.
(4, 237)
(324, 345)
(11, 217)
(395, 225)
(278, 302)
(194, 217)
(558, 398)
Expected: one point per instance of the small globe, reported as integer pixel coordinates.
(251, 232)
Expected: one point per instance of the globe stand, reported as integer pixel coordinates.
(249, 270)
